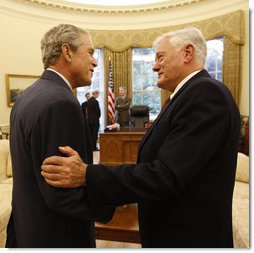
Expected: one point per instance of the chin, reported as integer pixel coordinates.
(164, 86)
(161, 85)
(87, 82)
(83, 84)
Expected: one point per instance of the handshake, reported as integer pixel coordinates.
(65, 172)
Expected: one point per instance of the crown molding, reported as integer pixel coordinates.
(52, 12)
(103, 9)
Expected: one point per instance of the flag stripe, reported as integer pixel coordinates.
(111, 96)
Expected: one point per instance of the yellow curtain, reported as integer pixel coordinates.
(232, 67)
(164, 96)
(231, 25)
(121, 70)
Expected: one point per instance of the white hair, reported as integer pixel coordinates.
(183, 37)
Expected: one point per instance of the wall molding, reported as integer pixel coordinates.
(161, 6)
(163, 14)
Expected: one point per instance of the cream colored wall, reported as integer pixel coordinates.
(23, 25)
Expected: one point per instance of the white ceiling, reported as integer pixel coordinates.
(115, 2)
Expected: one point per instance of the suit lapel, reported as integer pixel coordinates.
(202, 73)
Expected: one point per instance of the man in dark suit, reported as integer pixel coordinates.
(93, 117)
(44, 116)
(184, 177)
(83, 105)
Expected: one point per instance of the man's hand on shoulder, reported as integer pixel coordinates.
(65, 172)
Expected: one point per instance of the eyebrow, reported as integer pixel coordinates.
(91, 49)
(160, 53)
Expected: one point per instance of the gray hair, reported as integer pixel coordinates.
(183, 37)
(53, 40)
(95, 92)
(123, 87)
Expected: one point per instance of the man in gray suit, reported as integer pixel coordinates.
(123, 107)
(44, 116)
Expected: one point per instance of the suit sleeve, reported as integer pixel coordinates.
(118, 108)
(98, 109)
(123, 106)
(62, 124)
(198, 127)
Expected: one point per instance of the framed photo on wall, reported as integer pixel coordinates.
(15, 84)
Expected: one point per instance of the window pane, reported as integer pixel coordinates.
(137, 98)
(214, 58)
(219, 75)
(144, 80)
(152, 99)
(211, 64)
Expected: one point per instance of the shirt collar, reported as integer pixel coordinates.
(180, 85)
(67, 82)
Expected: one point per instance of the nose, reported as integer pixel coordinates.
(94, 62)
(156, 67)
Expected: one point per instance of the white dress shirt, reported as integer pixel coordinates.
(180, 85)
(67, 82)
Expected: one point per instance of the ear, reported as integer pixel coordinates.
(189, 53)
(67, 53)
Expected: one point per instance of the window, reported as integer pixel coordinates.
(97, 84)
(214, 58)
(144, 80)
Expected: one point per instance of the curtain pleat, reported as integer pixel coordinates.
(232, 67)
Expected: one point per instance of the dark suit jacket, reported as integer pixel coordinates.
(185, 175)
(84, 109)
(45, 116)
(93, 110)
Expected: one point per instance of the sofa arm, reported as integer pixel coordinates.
(242, 169)
(4, 156)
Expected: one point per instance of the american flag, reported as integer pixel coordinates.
(111, 96)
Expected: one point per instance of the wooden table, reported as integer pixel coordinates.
(120, 147)
(122, 228)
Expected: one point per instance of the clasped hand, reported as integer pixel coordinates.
(65, 172)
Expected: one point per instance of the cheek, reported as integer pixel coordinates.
(83, 67)
(167, 70)
(88, 64)
(78, 64)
